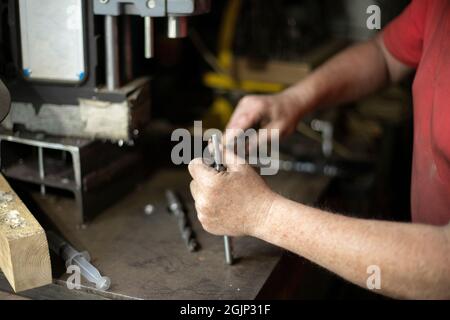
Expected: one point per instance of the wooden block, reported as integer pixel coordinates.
(24, 254)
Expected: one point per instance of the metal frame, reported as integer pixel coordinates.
(73, 148)
(96, 168)
(151, 8)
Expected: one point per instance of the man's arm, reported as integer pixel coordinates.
(414, 259)
(352, 74)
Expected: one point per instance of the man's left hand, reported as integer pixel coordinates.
(235, 202)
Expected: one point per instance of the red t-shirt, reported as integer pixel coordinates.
(420, 38)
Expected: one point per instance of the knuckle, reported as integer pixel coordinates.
(201, 206)
(193, 189)
(208, 228)
(201, 218)
(251, 101)
(192, 164)
(215, 185)
(194, 186)
(246, 100)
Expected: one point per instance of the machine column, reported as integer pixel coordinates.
(112, 53)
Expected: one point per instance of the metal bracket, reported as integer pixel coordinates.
(151, 8)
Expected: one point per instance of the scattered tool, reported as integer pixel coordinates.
(176, 208)
(218, 165)
(80, 259)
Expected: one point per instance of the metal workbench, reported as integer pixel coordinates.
(145, 257)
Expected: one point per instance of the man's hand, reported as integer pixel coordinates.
(281, 111)
(234, 202)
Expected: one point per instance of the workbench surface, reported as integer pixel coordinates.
(145, 256)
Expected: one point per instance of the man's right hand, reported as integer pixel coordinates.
(266, 112)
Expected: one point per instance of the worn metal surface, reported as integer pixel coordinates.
(54, 291)
(145, 257)
(10, 296)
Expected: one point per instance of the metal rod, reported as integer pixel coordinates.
(177, 27)
(112, 53)
(148, 30)
(128, 71)
(41, 169)
(228, 250)
(218, 165)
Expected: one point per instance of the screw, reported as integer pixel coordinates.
(104, 1)
(151, 4)
(149, 209)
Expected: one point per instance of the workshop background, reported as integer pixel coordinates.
(102, 185)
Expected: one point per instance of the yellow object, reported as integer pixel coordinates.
(227, 32)
(219, 113)
(225, 82)
(221, 109)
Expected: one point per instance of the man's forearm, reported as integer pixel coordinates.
(352, 74)
(414, 259)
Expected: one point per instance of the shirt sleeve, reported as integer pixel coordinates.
(404, 36)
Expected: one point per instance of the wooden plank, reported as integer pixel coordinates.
(10, 296)
(54, 291)
(24, 255)
(286, 72)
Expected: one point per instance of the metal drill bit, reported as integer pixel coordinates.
(218, 165)
(187, 234)
(217, 154)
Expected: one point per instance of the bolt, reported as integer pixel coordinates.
(149, 209)
(104, 1)
(82, 226)
(151, 4)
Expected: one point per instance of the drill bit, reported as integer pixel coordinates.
(187, 234)
(218, 165)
